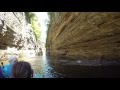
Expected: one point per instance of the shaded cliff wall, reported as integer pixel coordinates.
(84, 35)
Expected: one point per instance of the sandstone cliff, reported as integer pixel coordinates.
(84, 35)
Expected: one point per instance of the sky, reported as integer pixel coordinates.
(42, 18)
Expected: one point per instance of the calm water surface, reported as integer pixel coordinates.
(49, 67)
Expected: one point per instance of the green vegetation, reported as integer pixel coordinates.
(32, 18)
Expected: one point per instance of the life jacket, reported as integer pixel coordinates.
(7, 70)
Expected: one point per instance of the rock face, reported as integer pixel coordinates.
(15, 31)
(84, 35)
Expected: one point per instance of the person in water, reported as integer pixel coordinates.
(3, 57)
(1, 71)
(22, 69)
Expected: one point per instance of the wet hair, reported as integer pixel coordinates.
(22, 70)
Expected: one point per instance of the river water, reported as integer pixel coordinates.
(51, 67)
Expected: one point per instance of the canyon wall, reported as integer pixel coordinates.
(84, 35)
(16, 31)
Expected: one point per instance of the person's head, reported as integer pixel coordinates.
(13, 60)
(22, 70)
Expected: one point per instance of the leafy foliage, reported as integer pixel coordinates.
(36, 28)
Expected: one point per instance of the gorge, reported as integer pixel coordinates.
(78, 44)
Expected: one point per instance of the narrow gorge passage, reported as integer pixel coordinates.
(63, 44)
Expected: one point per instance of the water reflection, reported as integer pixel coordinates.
(41, 67)
(51, 67)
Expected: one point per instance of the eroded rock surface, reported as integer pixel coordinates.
(85, 35)
(16, 32)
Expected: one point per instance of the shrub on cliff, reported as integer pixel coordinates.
(36, 28)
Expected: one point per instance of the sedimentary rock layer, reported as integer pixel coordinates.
(15, 31)
(84, 35)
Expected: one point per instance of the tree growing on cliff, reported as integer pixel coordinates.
(36, 27)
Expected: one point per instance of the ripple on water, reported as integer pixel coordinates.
(60, 68)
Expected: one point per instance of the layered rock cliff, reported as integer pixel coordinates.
(16, 31)
(84, 35)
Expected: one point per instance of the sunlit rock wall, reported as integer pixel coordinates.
(16, 32)
(84, 35)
